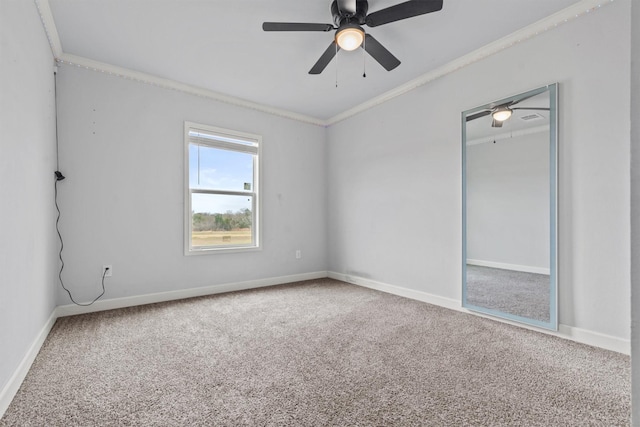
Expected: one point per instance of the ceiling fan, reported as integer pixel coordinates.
(348, 18)
(500, 113)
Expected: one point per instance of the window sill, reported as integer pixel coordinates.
(211, 251)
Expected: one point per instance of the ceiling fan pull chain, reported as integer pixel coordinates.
(336, 64)
(364, 57)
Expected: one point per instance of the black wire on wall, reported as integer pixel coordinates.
(59, 177)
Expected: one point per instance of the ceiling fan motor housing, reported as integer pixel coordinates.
(340, 19)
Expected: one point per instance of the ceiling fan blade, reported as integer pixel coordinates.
(405, 10)
(347, 7)
(531, 108)
(517, 101)
(478, 115)
(496, 124)
(380, 53)
(324, 60)
(295, 26)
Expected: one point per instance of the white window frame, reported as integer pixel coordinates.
(222, 138)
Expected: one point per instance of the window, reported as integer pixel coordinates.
(221, 195)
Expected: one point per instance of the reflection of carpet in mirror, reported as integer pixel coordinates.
(513, 292)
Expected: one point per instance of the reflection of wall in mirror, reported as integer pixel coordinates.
(508, 215)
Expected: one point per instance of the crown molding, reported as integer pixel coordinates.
(552, 21)
(570, 13)
(46, 16)
(126, 73)
(509, 135)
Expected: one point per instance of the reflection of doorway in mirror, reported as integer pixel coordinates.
(508, 222)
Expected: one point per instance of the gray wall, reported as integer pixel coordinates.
(635, 212)
(508, 201)
(27, 162)
(121, 148)
(395, 175)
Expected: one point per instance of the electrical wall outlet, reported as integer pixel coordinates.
(298, 254)
(109, 269)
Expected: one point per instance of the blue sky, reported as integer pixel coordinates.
(221, 170)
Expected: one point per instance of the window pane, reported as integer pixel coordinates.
(218, 169)
(221, 220)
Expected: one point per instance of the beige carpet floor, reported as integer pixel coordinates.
(512, 292)
(314, 353)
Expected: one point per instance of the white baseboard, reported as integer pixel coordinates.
(572, 333)
(397, 290)
(110, 304)
(595, 339)
(12, 386)
(505, 266)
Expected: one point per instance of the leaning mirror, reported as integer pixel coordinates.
(509, 190)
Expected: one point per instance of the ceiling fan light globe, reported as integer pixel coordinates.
(350, 38)
(502, 114)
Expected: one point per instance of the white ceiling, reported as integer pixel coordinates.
(220, 46)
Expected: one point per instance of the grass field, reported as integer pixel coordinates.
(216, 238)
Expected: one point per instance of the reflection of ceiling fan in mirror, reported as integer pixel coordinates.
(348, 16)
(501, 113)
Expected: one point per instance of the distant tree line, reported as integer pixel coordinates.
(222, 222)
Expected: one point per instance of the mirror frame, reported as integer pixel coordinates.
(552, 324)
